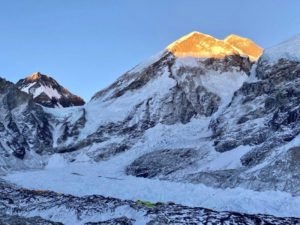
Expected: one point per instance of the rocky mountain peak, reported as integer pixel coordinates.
(48, 92)
(35, 76)
(40, 78)
(199, 45)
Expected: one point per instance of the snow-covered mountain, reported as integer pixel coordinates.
(204, 123)
(47, 92)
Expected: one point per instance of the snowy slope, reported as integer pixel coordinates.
(289, 50)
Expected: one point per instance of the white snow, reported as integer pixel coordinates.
(68, 216)
(108, 178)
(148, 62)
(49, 91)
(224, 161)
(27, 88)
(82, 179)
(56, 161)
(224, 84)
(63, 115)
(289, 49)
(101, 112)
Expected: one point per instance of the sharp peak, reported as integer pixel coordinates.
(191, 35)
(235, 36)
(38, 77)
(201, 35)
(34, 76)
(196, 33)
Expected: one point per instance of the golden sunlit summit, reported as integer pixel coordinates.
(199, 45)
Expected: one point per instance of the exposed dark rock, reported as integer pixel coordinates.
(18, 220)
(62, 98)
(274, 99)
(24, 125)
(110, 150)
(162, 162)
(20, 152)
(221, 178)
(264, 114)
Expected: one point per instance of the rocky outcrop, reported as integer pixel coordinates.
(162, 162)
(24, 126)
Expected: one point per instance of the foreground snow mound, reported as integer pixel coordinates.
(95, 209)
(56, 161)
(81, 179)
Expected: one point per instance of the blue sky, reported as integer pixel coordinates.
(87, 44)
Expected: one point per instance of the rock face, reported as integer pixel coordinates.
(265, 115)
(24, 127)
(162, 162)
(47, 92)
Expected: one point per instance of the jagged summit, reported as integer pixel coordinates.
(199, 45)
(34, 76)
(40, 78)
(47, 91)
(193, 46)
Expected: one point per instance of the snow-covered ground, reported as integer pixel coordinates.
(86, 178)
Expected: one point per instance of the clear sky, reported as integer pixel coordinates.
(86, 44)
